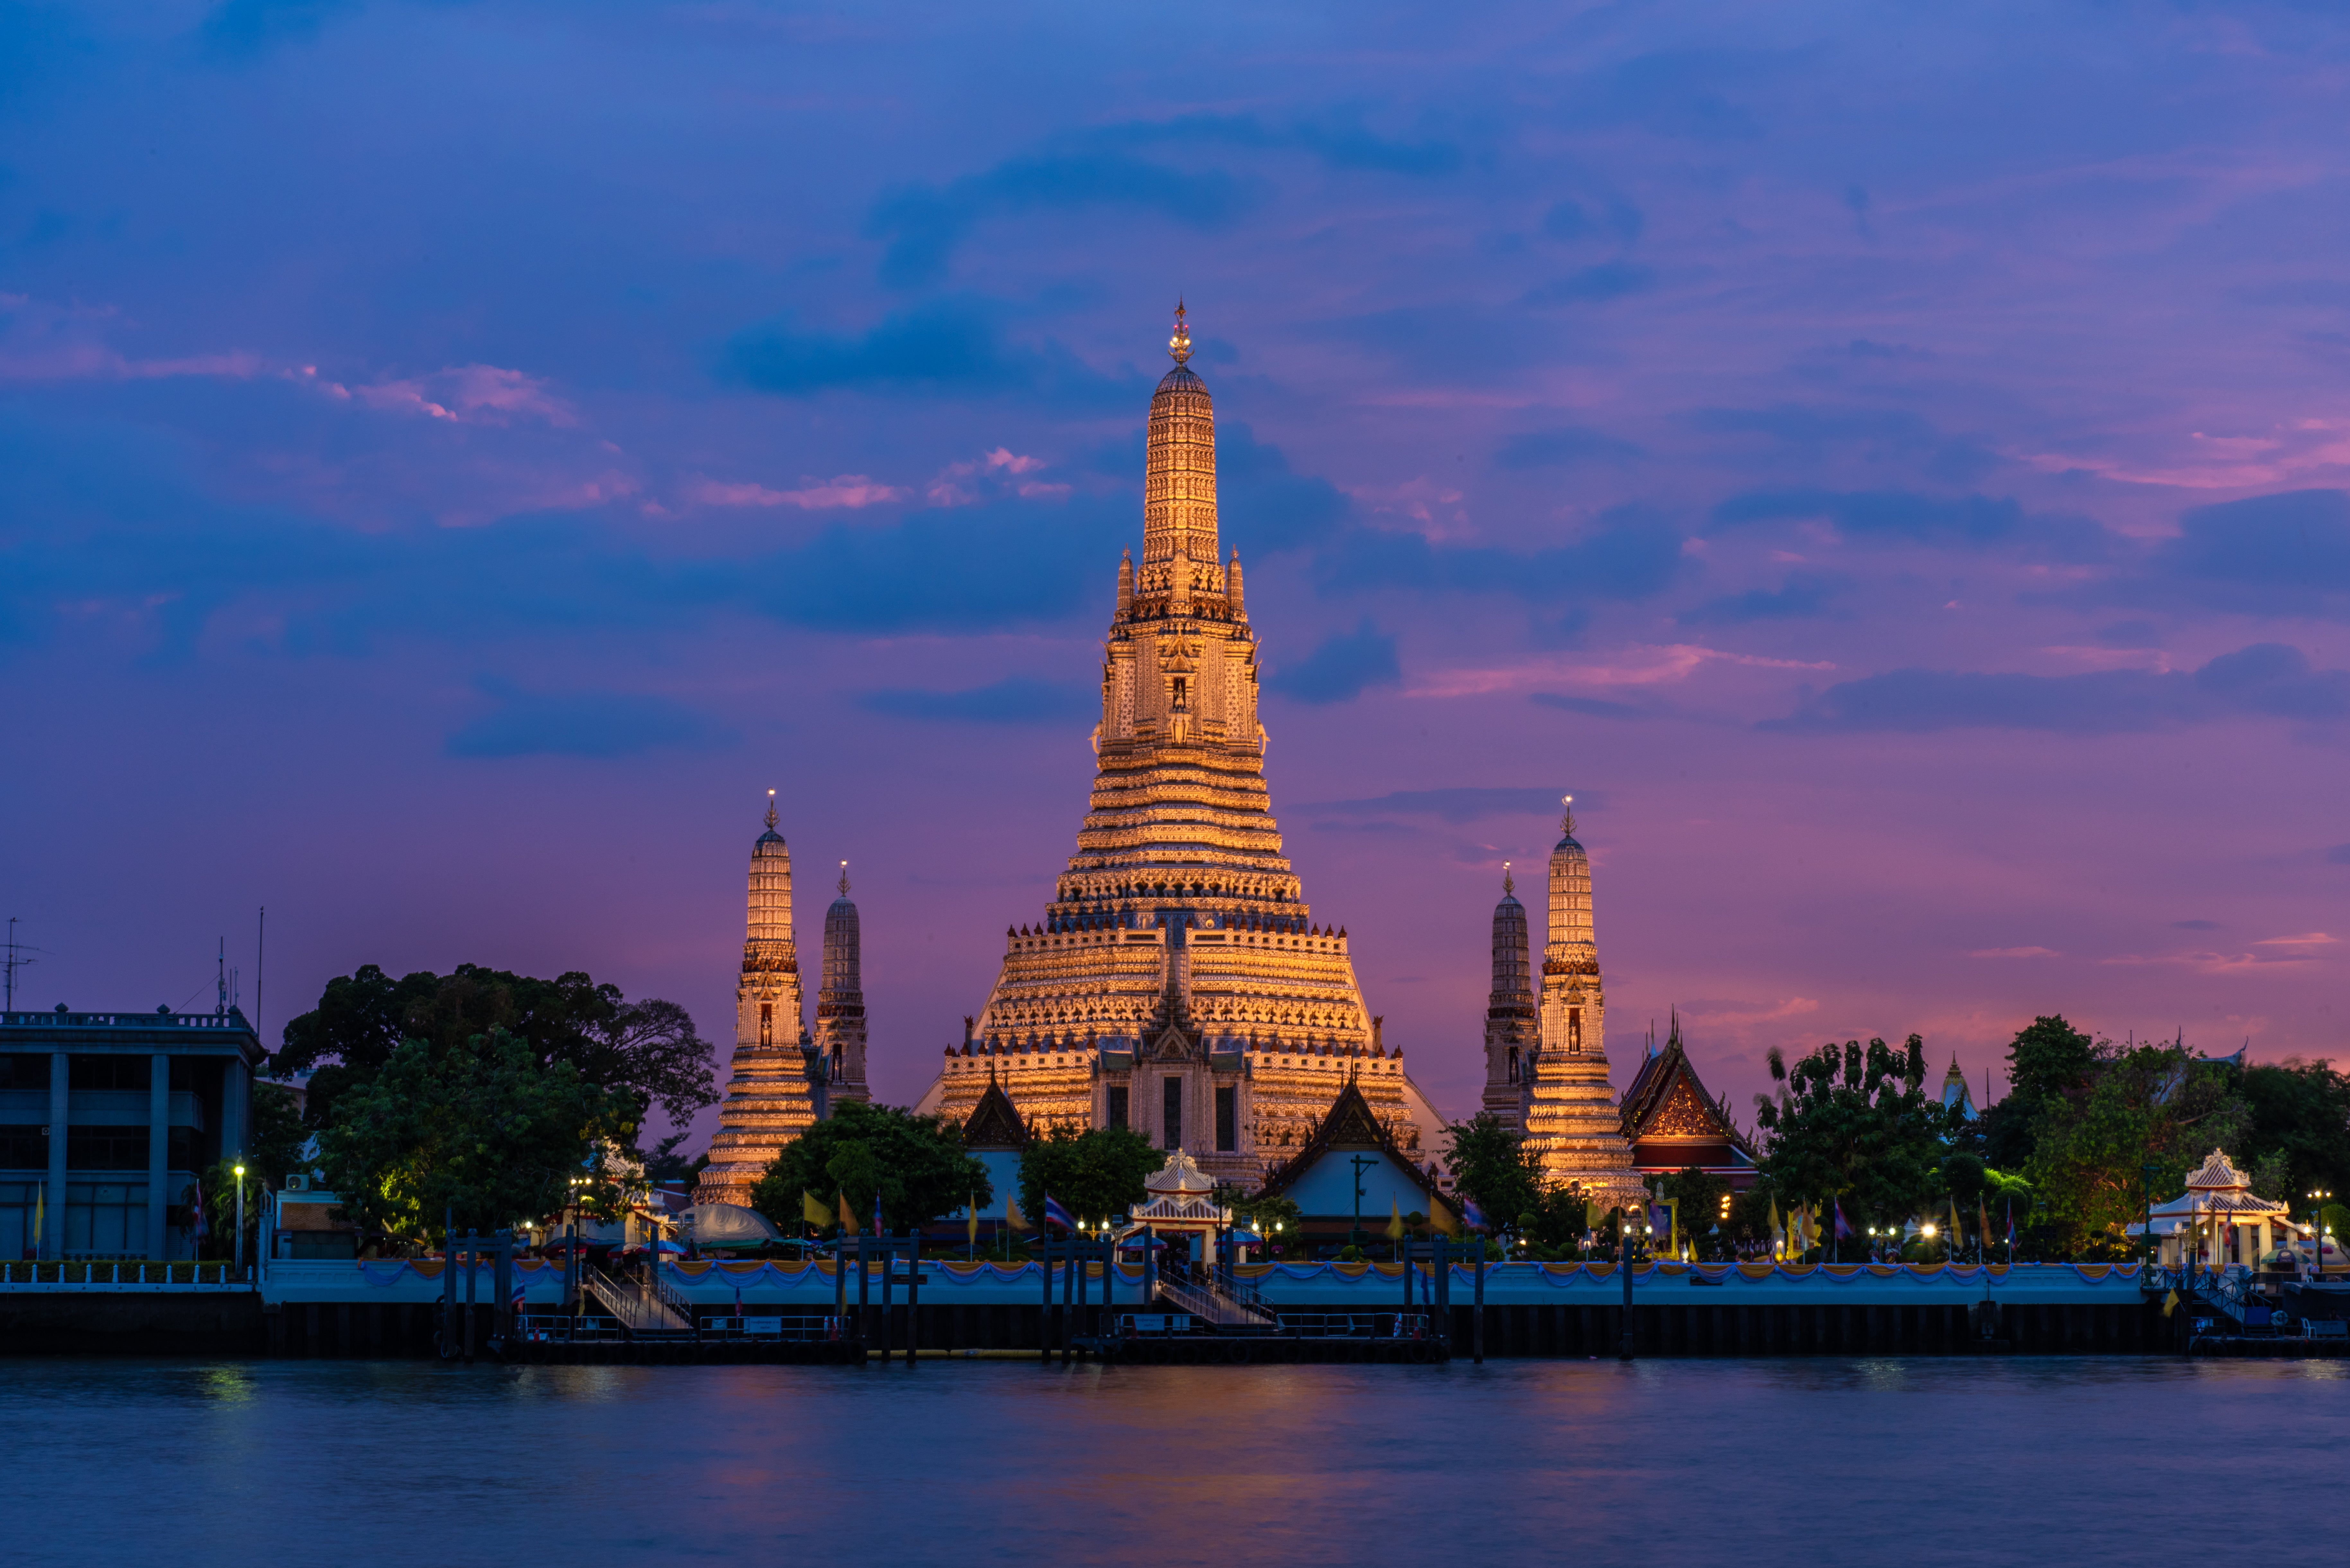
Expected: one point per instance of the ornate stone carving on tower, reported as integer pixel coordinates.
(1511, 1032)
(1572, 1122)
(1178, 983)
(840, 1000)
(769, 1098)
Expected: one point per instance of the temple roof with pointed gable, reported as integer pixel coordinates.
(1673, 1123)
(994, 1122)
(1351, 1126)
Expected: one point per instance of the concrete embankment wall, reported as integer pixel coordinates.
(96, 1323)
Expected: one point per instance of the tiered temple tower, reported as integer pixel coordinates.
(769, 1098)
(1511, 1032)
(840, 1000)
(1572, 1121)
(1178, 981)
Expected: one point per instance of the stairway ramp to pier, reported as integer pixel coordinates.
(1200, 1296)
(642, 1312)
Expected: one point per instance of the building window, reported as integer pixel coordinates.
(107, 1073)
(1118, 1113)
(106, 1148)
(766, 1024)
(1228, 1119)
(1513, 1063)
(1170, 1114)
(109, 1221)
(1574, 1032)
(23, 1148)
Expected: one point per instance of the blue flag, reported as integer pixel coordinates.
(1057, 1215)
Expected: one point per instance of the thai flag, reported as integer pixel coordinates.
(1475, 1215)
(1843, 1226)
(1057, 1215)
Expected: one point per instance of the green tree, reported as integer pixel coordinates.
(2299, 1115)
(916, 1164)
(2091, 1141)
(647, 1050)
(1493, 1167)
(481, 1129)
(1277, 1220)
(1095, 1174)
(1555, 1223)
(1853, 1123)
(2049, 1063)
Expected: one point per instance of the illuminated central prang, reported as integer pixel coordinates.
(1178, 983)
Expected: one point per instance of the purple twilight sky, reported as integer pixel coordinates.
(1887, 461)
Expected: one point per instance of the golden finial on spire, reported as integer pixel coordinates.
(771, 811)
(1179, 346)
(843, 878)
(1508, 886)
(1566, 823)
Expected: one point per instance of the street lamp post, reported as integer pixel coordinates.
(2317, 1199)
(2146, 1189)
(240, 1221)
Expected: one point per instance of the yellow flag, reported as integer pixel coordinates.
(812, 1211)
(1440, 1219)
(847, 1216)
(972, 1210)
(1956, 1229)
(1395, 1222)
(2170, 1303)
(1012, 1215)
(1983, 1223)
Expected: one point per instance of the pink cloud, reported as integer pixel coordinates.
(463, 394)
(1004, 467)
(1632, 665)
(2014, 952)
(40, 341)
(845, 489)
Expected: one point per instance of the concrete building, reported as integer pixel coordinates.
(104, 1120)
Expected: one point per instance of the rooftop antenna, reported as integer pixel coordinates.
(13, 964)
(220, 982)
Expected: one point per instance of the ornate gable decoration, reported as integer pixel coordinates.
(1667, 1100)
(1351, 1125)
(994, 1122)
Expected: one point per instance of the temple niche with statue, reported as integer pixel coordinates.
(1178, 981)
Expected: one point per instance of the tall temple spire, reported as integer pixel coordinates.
(1510, 1030)
(1179, 879)
(1180, 560)
(840, 998)
(1572, 1120)
(767, 1102)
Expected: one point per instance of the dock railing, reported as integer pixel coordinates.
(124, 1274)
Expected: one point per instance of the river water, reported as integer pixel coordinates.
(276, 1464)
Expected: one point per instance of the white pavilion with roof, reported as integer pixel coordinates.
(2218, 1220)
